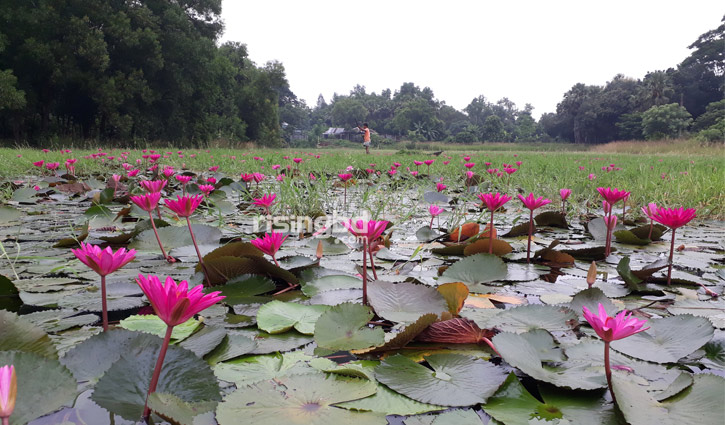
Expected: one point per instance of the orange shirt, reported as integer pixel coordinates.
(366, 136)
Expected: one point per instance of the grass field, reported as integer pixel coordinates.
(684, 174)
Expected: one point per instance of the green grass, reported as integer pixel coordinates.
(671, 179)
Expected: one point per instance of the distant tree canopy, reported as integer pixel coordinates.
(129, 70)
(151, 70)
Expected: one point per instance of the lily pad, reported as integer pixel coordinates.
(44, 385)
(176, 410)
(701, 403)
(514, 405)
(19, 334)
(244, 289)
(303, 399)
(278, 317)
(404, 302)
(122, 389)
(344, 327)
(455, 380)
(176, 236)
(519, 352)
(153, 325)
(668, 340)
(253, 369)
(528, 317)
(479, 268)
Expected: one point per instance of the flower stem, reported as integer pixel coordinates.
(372, 266)
(651, 225)
(6, 420)
(531, 232)
(198, 254)
(490, 236)
(365, 272)
(157, 372)
(608, 243)
(103, 303)
(672, 251)
(608, 371)
(156, 232)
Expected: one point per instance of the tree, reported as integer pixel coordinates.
(492, 129)
(665, 121)
(709, 50)
(348, 112)
(576, 114)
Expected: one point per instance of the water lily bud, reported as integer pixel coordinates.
(592, 274)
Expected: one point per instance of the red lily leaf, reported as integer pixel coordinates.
(455, 331)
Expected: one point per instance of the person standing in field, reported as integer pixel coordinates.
(366, 136)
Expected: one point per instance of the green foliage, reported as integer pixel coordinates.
(130, 71)
(666, 121)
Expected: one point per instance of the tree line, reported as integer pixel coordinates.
(122, 71)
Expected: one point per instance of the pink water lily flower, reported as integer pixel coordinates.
(153, 186)
(532, 203)
(8, 392)
(206, 188)
(344, 176)
(674, 218)
(469, 165)
(429, 162)
(147, 202)
(611, 329)
(270, 244)
(266, 201)
(174, 304)
(103, 262)
(564, 193)
(493, 201)
(440, 187)
(184, 206)
(367, 232)
(182, 179)
(612, 195)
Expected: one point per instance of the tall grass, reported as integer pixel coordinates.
(691, 176)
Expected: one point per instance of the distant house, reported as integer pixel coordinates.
(352, 134)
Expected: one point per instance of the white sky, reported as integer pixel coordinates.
(531, 51)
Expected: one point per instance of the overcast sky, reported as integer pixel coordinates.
(531, 51)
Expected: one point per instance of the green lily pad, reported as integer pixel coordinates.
(176, 410)
(528, 317)
(668, 340)
(384, 400)
(176, 236)
(204, 341)
(60, 320)
(316, 282)
(701, 403)
(253, 369)
(302, 399)
(426, 234)
(514, 405)
(278, 317)
(519, 352)
(591, 298)
(627, 237)
(19, 334)
(122, 389)
(9, 215)
(44, 385)
(230, 347)
(153, 325)
(456, 380)
(404, 302)
(244, 289)
(330, 246)
(451, 417)
(344, 327)
(475, 269)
